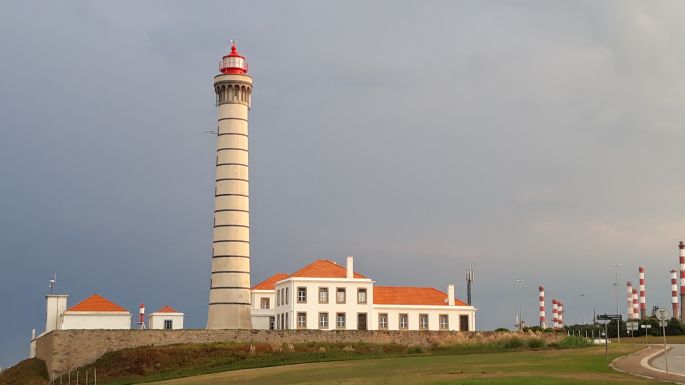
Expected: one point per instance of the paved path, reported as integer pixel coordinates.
(639, 364)
(676, 360)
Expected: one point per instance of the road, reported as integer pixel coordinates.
(676, 359)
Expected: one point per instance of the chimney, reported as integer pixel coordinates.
(450, 295)
(350, 267)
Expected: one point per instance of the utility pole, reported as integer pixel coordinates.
(582, 307)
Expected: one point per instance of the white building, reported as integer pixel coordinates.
(94, 312)
(324, 295)
(166, 318)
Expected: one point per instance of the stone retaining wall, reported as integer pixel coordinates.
(63, 350)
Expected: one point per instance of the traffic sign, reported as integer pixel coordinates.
(609, 317)
(632, 325)
(647, 326)
(662, 314)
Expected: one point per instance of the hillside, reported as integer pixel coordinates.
(27, 372)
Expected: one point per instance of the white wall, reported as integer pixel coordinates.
(312, 307)
(156, 320)
(261, 317)
(56, 305)
(96, 320)
(433, 312)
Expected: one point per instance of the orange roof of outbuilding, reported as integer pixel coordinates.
(404, 295)
(270, 283)
(97, 303)
(167, 309)
(323, 268)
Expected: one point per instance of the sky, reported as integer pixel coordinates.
(538, 140)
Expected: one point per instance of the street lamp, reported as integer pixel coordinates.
(618, 321)
(520, 323)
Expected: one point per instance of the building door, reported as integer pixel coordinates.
(463, 323)
(361, 321)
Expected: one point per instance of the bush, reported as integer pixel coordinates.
(573, 342)
(502, 330)
(536, 343)
(514, 343)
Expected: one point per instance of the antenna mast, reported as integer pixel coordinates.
(469, 280)
(52, 282)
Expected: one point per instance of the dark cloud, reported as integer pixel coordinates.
(538, 140)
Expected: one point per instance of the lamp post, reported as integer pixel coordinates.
(582, 307)
(520, 323)
(618, 321)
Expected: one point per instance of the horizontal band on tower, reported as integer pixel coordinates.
(230, 271)
(244, 120)
(247, 227)
(228, 195)
(240, 179)
(232, 133)
(227, 102)
(229, 288)
(241, 211)
(232, 164)
(230, 256)
(230, 240)
(229, 303)
(231, 148)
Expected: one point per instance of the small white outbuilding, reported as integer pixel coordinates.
(96, 312)
(166, 318)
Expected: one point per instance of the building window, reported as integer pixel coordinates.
(272, 322)
(301, 320)
(287, 324)
(444, 322)
(423, 321)
(361, 295)
(383, 321)
(278, 298)
(301, 295)
(168, 324)
(264, 303)
(323, 320)
(463, 323)
(286, 296)
(323, 295)
(340, 295)
(404, 321)
(340, 320)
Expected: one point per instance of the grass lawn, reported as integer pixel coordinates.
(545, 367)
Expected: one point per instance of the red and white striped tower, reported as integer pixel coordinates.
(674, 293)
(629, 290)
(543, 321)
(555, 314)
(643, 298)
(636, 306)
(682, 277)
(561, 313)
(141, 313)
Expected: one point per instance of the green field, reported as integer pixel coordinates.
(545, 367)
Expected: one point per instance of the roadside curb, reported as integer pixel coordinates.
(644, 362)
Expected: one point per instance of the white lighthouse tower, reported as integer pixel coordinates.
(229, 293)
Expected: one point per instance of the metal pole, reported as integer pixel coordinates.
(582, 307)
(606, 340)
(618, 322)
(663, 323)
(520, 283)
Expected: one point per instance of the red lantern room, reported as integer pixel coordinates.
(233, 63)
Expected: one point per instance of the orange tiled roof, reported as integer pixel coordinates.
(167, 309)
(96, 303)
(323, 268)
(403, 295)
(270, 283)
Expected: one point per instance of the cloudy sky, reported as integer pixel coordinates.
(539, 140)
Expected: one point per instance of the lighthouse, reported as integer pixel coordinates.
(229, 291)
